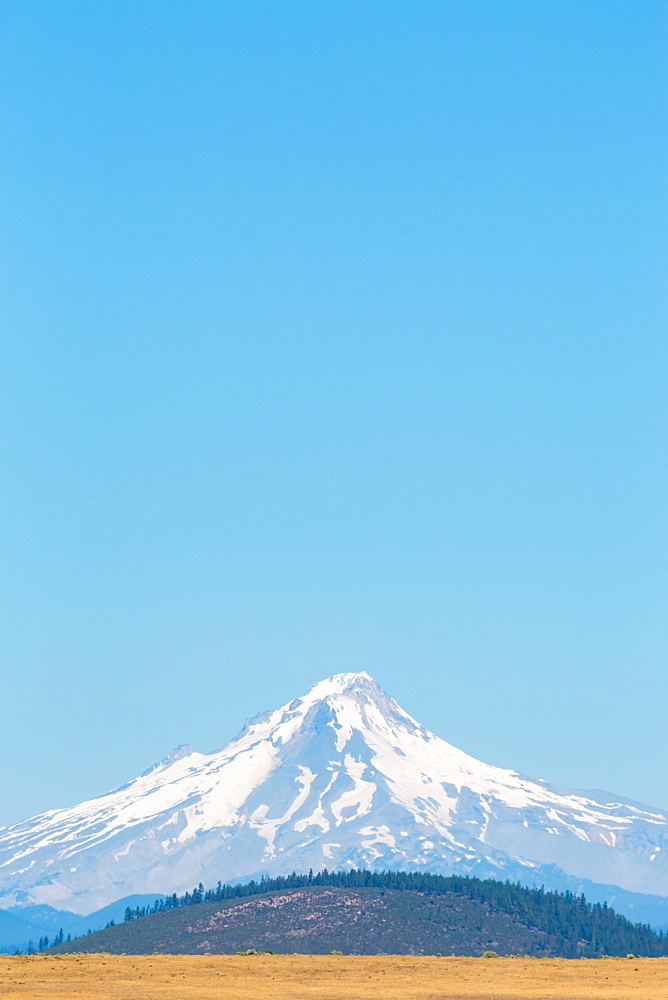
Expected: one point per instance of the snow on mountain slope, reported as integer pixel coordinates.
(340, 777)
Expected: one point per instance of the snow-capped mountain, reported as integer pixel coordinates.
(340, 777)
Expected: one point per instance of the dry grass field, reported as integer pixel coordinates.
(299, 977)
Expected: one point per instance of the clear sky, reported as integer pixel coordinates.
(333, 341)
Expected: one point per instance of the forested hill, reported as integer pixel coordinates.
(365, 912)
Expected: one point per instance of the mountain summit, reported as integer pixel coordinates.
(340, 777)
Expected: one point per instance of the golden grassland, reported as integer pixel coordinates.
(318, 977)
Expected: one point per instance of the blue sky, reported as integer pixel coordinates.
(335, 341)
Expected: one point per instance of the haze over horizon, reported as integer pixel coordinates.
(335, 342)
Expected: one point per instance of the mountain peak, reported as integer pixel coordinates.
(343, 684)
(355, 693)
(352, 701)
